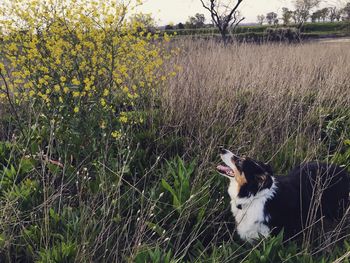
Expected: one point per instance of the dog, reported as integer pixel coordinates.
(263, 204)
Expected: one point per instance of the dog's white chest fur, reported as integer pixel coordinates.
(251, 218)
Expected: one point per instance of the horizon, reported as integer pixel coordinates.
(168, 11)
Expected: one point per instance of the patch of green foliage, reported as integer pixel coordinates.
(257, 32)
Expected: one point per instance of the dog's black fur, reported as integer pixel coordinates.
(296, 193)
(295, 202)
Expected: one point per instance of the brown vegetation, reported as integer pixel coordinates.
(256, 98)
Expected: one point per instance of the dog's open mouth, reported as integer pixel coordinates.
(223, 169)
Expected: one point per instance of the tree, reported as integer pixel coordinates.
(180, 26)
(223, 15)
(346, 12)
(196, 21)
(316, 16)
(324, 12)
(271, 18)
(144, 21)
(261, 19)
(334, 13)
(169, 27)
(303, 9)
(286, 15)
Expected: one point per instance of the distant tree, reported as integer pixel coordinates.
(295, 17)
(286, 15)
(196, 21)
(169, 27)
(224, 14)
(346, 12)
(303, 9)
(145, 22)
(324, 12)
(334, 13)
(316, 16)
(271, 18)
(261, 19)
(180, 26)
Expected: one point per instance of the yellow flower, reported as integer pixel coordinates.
(116, 134)
(125, 89)
(79, 66)
(66, 90)
(75, 81)
(2, 67)
(12, 47)
(105, 92)
(123, 119)
(57, 88)
(76, 94)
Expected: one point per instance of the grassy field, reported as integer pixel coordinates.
(109, 139)
(155, 196)
(258, 32)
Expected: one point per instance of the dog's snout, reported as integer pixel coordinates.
(222, 150)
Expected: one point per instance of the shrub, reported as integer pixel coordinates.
(80, 81)
(84, 69)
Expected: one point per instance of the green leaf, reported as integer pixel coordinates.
(26, 165)
(53, 168)
(176, 201)
(2, 240)
(347, 142)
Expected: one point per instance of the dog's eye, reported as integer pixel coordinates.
(239, 163)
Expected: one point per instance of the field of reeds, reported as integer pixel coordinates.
(114, 161)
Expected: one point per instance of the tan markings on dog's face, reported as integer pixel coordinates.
(239, 176)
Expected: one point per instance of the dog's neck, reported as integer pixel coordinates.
(261, 195)
(249, 212)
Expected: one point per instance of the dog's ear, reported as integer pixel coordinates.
(268, 169)
(263, 180)
(239, 163)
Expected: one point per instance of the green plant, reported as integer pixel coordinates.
(60, 252)
(180, 176)
(154, 255)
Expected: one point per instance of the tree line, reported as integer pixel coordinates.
(303, 12)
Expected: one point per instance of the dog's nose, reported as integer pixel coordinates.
(222, 150)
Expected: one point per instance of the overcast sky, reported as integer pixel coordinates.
(175, 11)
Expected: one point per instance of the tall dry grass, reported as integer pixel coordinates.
(256, 98)
(282, 104)
(277, 103)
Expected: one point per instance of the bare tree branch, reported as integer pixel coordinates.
(225, 19)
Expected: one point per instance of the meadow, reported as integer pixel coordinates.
(109, 141)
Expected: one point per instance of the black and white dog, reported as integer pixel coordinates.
(263, 204)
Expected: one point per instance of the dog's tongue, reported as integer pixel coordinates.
(224, 169)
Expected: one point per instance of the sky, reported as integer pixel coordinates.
(175, 11)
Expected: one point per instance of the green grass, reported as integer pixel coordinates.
(332, 29)
(154, 195)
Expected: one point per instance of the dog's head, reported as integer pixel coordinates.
(251, 176)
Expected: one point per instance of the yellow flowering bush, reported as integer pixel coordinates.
(81, 58)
